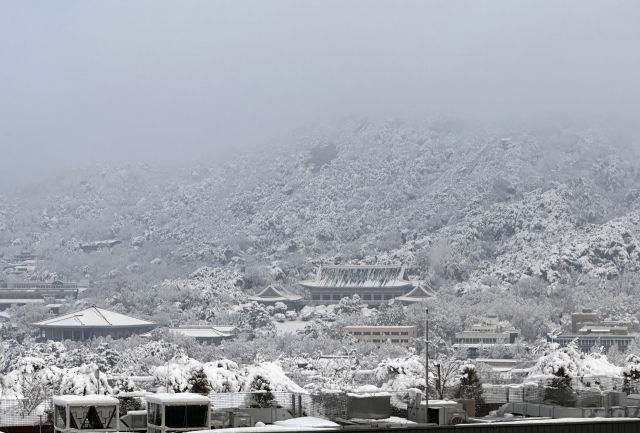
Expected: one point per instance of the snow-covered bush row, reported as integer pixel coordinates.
(223, 376)
(573, 363)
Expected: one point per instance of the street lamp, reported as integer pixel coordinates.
(40, 412)
(439, 382)
(426, 356)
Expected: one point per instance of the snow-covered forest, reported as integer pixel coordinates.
(528, 224)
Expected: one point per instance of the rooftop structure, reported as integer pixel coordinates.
(418, 294)
(98, 245)
(374, 284)
(74, 413)
(205, 333)
(25, 256)
(178, 412)
(273, 294)
(399, 335)
(489, 332)
(92, 322)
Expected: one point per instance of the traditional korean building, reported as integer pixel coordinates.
(273, 294)
(92, 322)
(374, 284)
(203, 333)
(418, 294)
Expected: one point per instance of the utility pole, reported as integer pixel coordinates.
(426, 363)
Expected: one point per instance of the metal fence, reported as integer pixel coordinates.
(583, 391)
(332, 405)
(23, 412)
(328, 405)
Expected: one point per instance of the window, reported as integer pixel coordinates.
(376, 333)
(60, 419)
(326, 297)
(387, 296)
(315, 297)
(66, 335)
(360, 333)
(404, 341)
(336, 296)
(367, 296)
(395, 333)
(376, 340)
(395, 340)
(377, 297)
(404, 333)
(367, 332)
(186, 416)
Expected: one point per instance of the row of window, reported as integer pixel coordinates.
(378, 333)
(479, 340)
(364, 296)
(393, 340)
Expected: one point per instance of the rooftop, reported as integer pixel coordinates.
(275, 294)
(359, 276)
(93, 317)
(183, 398)
(93, 400)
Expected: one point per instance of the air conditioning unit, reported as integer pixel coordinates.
(455, 416)
(448, 415)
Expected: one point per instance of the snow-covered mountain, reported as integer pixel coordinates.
(464, 206)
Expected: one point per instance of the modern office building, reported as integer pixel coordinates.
(400, 335)
(489, 332)
(587, 331)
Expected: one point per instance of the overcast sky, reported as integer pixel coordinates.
(164, 82)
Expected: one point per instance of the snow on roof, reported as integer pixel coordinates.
(272, 293)
(225, 328)
(93, 316)
(200, 332)
(84, 400)
(416, 295)
(359, 276)
(22, 301)
(184, 398)
(307, 421)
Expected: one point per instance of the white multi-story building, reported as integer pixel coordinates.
(400, 335)
(489, 332)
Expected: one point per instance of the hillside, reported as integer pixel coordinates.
(465, 206)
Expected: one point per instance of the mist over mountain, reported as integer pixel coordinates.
(462, 205)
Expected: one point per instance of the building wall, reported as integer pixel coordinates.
(482, 338)
(586, 342)
(577, 319)
(400, 335)
(79, 334)
(367, 294)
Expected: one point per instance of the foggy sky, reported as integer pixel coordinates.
(170, 82)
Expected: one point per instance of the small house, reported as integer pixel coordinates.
(92, 322)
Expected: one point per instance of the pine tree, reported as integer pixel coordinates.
(199, 382)
(263, 397)
(560, 391)
(470, 385)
